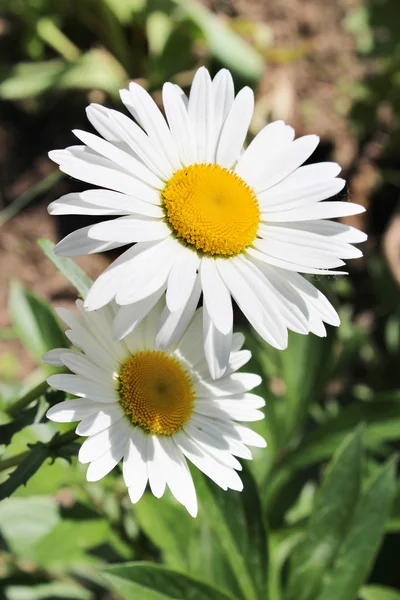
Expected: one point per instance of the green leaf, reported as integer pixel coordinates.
(378, 592)
(305, 368)
(329, 521)
(78, 278)
(169, 528)
(24, 521)
(382, 424)
(187, 544)
(232, 50)
(34, 322)
(65, 544)
(56, 589)
(96, 69)
(25, 470)
(236, 520)
(359, 549)
(24, 418)
(147, 581)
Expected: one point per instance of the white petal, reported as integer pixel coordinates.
(179, 479)
(78, 243)
(217, 346)
(98, 116)
(201, 115)
(246, 291)
(100, 420)
(296, 254)
(224, 94)
(223, 476)
(129, 316)
(284, 162)
(292, 266)
(312, 295)
(335, 231)
(182, 279)
(148, 272)
(235, 128)
(249, 437)
(211, 427)
(173, 325)
(80, 364)
(238, 340)
(143, 204)
(272, 139)
(141, 144)
(154, 124)
(299, 235)
(73, 204)
(236, 383)
(106, 285)
(121, 158)
(217, 298)
(135, 463)
(129, 229)
(79, 386)
(322, 210)
(238, 360)
(100, 467)
(53, 357)
(99, 444)
(84, 166)
(306, 185)
(180, 125)
(72, 410)
(155, 466)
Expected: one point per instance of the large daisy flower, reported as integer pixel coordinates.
(153, 408)
(206, 216)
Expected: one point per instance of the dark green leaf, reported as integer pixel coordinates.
(81, 282)
(329, 521)
(187, 544)
(236, 520)
(24, 418)
(26, 468)
(34, 322)
(358, 551)
(146, 581)
(306, 365)
(382, 424)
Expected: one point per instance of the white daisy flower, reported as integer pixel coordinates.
(207, 216)
(154, 408)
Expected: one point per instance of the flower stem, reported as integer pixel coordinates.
(56, 442)
(27, 398)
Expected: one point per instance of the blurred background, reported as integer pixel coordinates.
(329, 67)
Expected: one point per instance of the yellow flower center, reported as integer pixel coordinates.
(211, 209)
(156, 392)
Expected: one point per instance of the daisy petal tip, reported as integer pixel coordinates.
(192, 510)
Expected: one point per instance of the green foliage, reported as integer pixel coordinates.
(34, 322)
(68, 268)
(154, 582)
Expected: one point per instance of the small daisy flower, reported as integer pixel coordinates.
(206, 215)
(154, 409)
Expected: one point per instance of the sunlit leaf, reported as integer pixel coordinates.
(237, 521)
(331, 516)
(68, 268)
(34, 321)
(357, 553)
(152, 582)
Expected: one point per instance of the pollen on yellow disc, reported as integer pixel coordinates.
(211, 209)
(156, 392)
